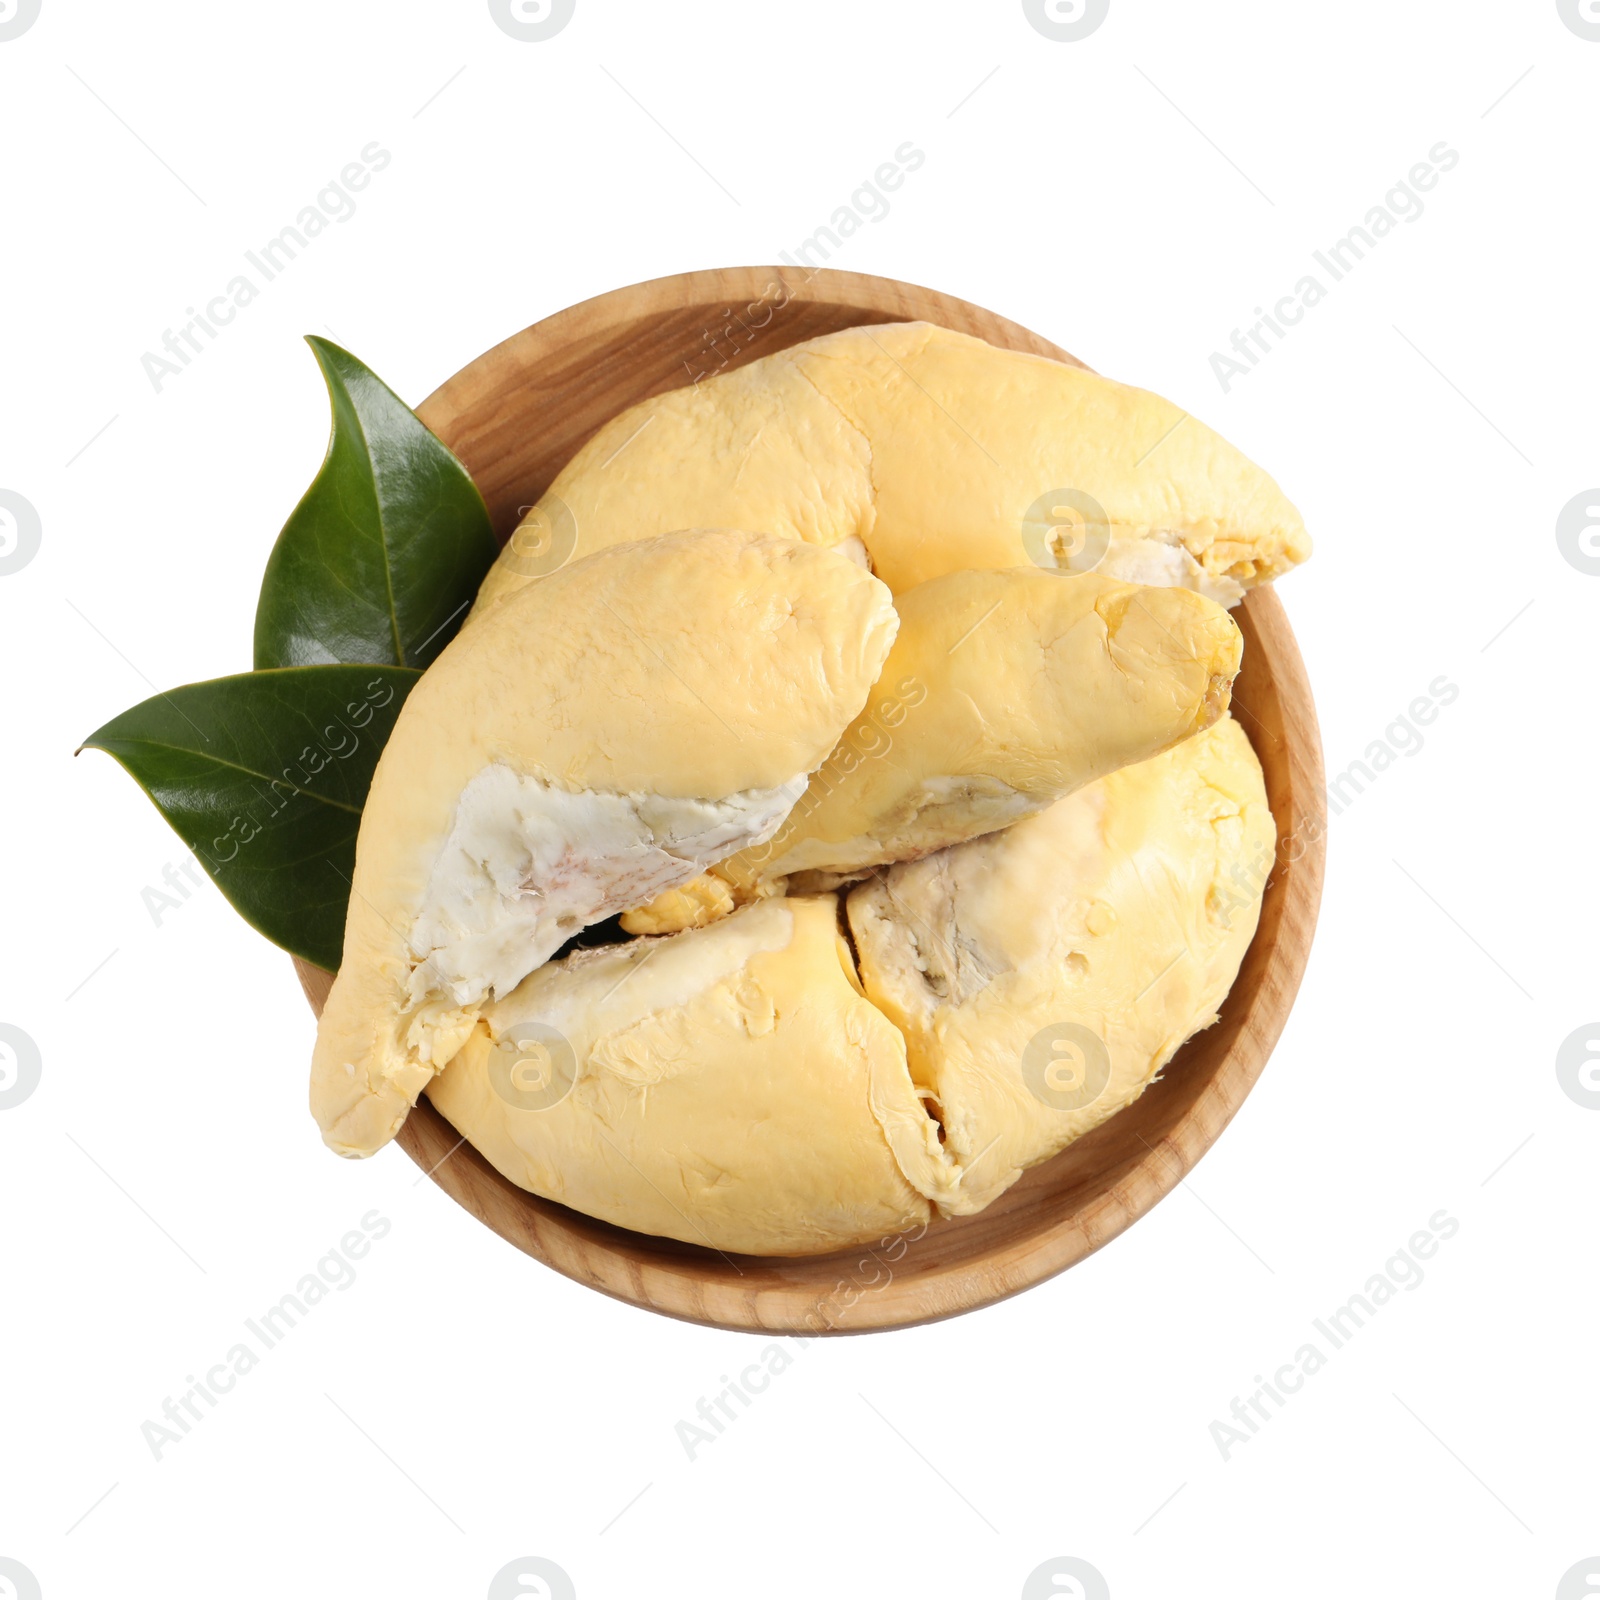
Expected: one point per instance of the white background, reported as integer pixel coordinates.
(460, 1406)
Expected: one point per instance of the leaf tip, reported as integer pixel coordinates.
(325, 348)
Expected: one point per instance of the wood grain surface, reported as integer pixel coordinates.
(515, 416)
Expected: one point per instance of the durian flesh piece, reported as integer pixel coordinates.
(928, 451)
(728, 1087)
(1003, 692)
(1044, 975)
(592, 741)
(701, 901)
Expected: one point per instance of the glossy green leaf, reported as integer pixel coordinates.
(384, 554)
(264, 776)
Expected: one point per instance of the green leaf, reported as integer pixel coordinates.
(263, 776)
(386, 550)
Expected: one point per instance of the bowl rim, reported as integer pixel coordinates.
(687, 1281)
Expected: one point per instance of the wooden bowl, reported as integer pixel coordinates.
(515, 416)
